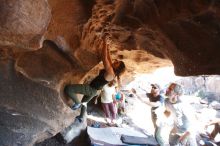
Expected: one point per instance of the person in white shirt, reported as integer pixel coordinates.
(183, 132)
(164, 124)
(107, 99)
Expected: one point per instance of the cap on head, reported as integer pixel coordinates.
(156, 86)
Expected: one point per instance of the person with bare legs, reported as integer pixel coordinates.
(107, 99)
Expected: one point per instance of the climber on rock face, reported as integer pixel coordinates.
(111, 71)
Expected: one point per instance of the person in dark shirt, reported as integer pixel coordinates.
(110, 72)
(155, 100)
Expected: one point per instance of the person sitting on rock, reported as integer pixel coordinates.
(210, 140)
(110, 71)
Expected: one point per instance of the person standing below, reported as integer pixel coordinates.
(164, 123)
(183, 132)
(155, 100)
(120, 101)
(107, 98)
(110, 72)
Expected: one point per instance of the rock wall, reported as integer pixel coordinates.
(29, 111)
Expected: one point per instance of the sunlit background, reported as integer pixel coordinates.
(139, 113)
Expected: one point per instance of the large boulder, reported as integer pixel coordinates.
(23, 23)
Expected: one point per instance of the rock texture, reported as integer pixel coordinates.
(23, 23)
(46, 44)
(29, 111)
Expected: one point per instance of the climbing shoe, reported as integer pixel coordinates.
(76, 106)
(79, 118)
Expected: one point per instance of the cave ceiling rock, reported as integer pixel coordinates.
(68, 18)
(122, 37)
(23, 23)
(182, 24)
(46, 65)
(189, 30)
